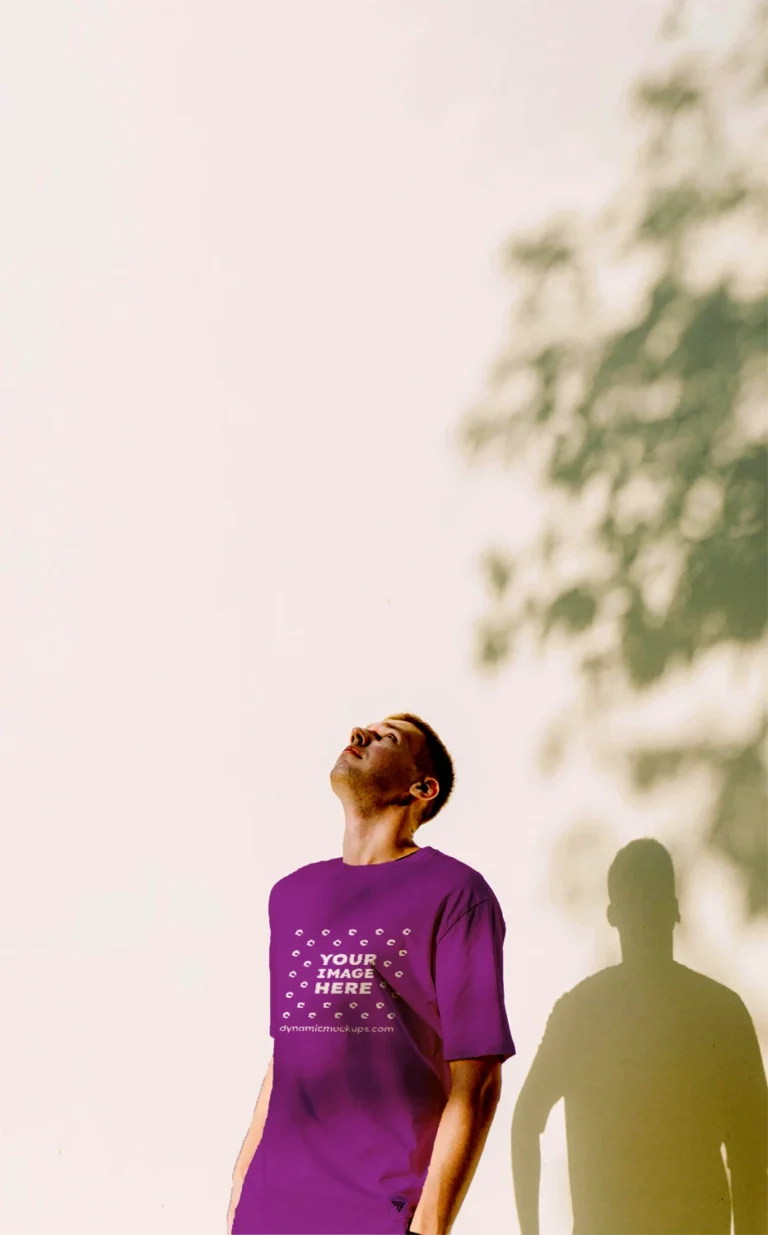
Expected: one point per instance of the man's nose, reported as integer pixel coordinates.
(360, 736)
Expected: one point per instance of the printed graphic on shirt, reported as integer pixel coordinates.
(346, 979)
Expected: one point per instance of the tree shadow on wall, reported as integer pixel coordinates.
(650, 438)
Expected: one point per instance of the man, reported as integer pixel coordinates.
(660, 1067)
(387, 1013)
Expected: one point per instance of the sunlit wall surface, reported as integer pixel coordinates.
(258, 438)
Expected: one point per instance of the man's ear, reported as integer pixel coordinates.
(429, 788)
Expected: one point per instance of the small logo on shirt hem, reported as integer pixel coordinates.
(398, 1202)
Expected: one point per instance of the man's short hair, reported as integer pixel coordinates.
(642, 869)
(438, 763)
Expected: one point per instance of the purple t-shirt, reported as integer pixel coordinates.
(379, 976)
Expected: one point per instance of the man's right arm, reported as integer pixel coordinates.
(543, 1088)
(746, 1136)
(526, 1162)
(251, 1143)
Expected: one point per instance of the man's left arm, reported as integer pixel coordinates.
(461, 1135)
(746, 1132)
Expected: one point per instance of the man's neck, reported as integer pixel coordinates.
(369, 856)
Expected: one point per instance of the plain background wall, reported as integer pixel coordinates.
(249, 284)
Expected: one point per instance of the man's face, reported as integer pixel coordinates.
(645, 911)
(382, 762)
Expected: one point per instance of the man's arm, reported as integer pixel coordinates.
(461, 1135)
(526, 1161)
(746, 1137)
(250, 1144)
(542, 1089)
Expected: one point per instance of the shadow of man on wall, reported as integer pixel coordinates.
(659, 1066)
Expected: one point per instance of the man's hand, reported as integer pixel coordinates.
(237, 1187)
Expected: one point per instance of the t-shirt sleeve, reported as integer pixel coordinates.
(547, 1078)
(469, 983)
(746, 1098)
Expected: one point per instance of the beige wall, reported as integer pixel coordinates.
(247, 289)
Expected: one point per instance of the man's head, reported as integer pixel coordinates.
(641, 890)
(399, 761)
